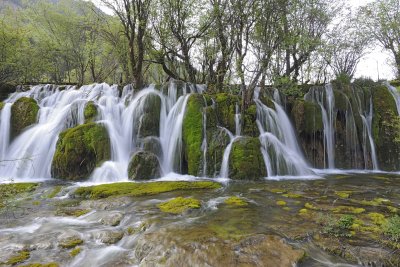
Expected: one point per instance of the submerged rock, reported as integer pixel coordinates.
(179, 205)
(23, 114)
(246, 161)
(144, 166)
(80, 150)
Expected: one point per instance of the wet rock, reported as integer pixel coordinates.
(112, 219)
(106, 204)
(151, 144)
(217, 140)
(148, 124)
(226, 109)
(69, 239)
(108, 237)
(23, 114)
(144, 166)
(80, 150)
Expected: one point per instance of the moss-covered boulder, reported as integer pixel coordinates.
(144, 166)
(246, 161)
(386, 129)
(23, 114)
(6, 89)
(90, 113)
(192, 133)
(148, 123)
(250, 127)
(80, 150)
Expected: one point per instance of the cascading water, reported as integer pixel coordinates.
(326, 100)
(30, 154)
(367, 125)
(281, 152)
(396, 95)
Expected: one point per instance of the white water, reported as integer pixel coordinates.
(281, 152)
(204, 144)
(30, 154)
(326, 100)
(367, 124)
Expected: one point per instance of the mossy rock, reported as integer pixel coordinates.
(23, 114)
(19, 257)
(148, 124)
(236, 201)
(144, 166)
(179, 205)
(80, 150)
(6, 89)
(36, 264)
(90, 113)
(246, 161)
(151, 144)
(141, 189)
(10, 191)
(307, 117)
(192, 133)
(226, 108)
(2, 104)
(386, 129)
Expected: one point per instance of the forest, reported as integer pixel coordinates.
(213, 42)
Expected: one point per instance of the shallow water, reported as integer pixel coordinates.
(143, 235)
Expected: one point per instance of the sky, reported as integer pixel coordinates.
(376, 64)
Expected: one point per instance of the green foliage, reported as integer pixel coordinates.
(288, 87)
(392, 228)
(179, 205)
(140, 189)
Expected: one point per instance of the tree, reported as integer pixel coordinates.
(381, 20)
(134, 16)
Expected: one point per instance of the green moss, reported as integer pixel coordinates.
(140, 189)
(150, 118)
(246, 161)
(236, 201)
(192, 133)
(23, 114)
(71, 243)
(310, 206)
(90, 112)
(343, 194)
(377, 218)
(303, 211)
(250, 127)
(75, 252)
(348, 209)
(374, 202)
(292, 195)
(179, 205)
(18, 258)
(72, 212)
(9, 191)
(36, 203)
(79, 150)
(2, 104)
(51, 264)
(281, 203)
(277, 190)
(54, 192)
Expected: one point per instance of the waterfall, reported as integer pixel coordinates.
(281, 152)
(237, 120)
(367, 126)
(396, 95)
(326, 100)
(5, 119)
